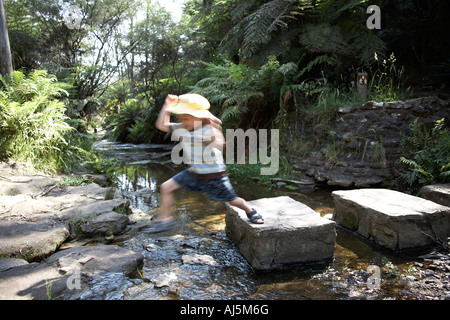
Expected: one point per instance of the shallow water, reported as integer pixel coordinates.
(226, 275)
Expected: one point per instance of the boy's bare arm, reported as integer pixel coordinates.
(163, 121)
(217, 139)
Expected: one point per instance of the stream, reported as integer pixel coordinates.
(225, 274)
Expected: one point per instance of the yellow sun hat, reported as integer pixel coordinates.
(193, 104)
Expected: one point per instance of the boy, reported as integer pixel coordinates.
(202, 131)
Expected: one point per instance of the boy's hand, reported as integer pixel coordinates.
(163, 120)
(215, 123)
(214, 120)
(217, 138)
(171, 100)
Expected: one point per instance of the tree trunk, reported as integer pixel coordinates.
(5, 51)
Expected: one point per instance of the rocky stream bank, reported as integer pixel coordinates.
(54, 237)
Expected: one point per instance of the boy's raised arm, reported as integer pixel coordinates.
(163, 121)
(217, 138)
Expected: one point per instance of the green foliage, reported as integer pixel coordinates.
(97, 163)
(427, 155)
(318, 100)
(33, 125)
(246, 96)
(125, 119)
(232, 87)
(387, 80)
(74, 180)
(34, 128)
(134, 121)
(260, 27)
(287, 28)
(277, 57)
(248, 172)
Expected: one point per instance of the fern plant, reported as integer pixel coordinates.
(33, 127)
(230, 86)
(245, 96)
(256, 25)
(277, 27)
(427, 155)
(128, 116)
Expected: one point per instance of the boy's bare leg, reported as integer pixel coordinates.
(241, 204)
(164, 221)
(166, 199)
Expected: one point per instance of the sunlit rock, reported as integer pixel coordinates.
(392, 219)
(439, 193)
(292, 233)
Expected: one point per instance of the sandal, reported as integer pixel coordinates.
(255, 217)
(159, 226)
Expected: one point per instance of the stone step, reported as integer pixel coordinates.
(439, 193)
(293, 233)
(392, 219)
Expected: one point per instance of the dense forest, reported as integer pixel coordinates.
(84, 64)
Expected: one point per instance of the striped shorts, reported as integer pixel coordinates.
(219, 189)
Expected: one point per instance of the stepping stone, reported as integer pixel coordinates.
(293, 233)
(439, 193)
(392, 219)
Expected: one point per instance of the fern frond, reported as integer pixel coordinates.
(255, 30)
(365, 43)
(241, 10)
(445, 172)
(323, 59)
(288, 68)
(324, 38)
(343, 6)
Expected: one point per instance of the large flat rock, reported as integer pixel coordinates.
(439, 193)
(292, 233)
(66, 274)
(392, 219)
(29, 240)
(33, 226)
